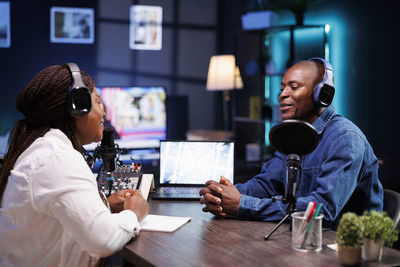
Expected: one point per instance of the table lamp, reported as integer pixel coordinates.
(224, 75)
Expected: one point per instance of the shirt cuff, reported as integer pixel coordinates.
(129, 222)
(257, 208)
(246, 206)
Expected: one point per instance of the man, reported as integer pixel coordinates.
(341, 173)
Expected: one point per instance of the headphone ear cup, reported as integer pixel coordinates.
(324, 91)
(316, 94)
(79, 101)
(79, 96)
(323, 95)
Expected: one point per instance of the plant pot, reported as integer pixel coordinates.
(349, 255)
(371, 250)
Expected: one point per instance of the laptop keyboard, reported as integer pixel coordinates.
(180, 190)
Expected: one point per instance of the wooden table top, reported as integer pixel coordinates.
(210, 241)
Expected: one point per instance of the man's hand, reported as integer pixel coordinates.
(212, 198)
(220, 198)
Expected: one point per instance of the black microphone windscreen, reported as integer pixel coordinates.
(108, 137)
(108, 150)
(294, 137)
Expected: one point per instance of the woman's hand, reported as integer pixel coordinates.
(117, 199)
(129, 199)
(136, 203)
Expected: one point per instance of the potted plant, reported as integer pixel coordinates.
(379, 231)
(349, 239)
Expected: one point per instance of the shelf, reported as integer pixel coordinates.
(281, 28)
(275, 74)
(249, 120)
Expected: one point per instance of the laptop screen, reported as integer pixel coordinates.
(195, 162)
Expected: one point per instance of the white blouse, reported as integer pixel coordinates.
(52, 213)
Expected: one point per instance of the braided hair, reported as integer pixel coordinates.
(43, 101)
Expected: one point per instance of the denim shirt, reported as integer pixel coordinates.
(341, 173)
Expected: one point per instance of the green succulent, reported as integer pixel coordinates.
(379, 226)
(350, 231)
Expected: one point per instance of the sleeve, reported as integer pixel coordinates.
(335, 183)
(256, 202)
(338, 176)
(64, 187)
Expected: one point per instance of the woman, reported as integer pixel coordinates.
(51, 211)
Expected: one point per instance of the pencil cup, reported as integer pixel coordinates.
(306, 234)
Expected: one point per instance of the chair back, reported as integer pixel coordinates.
(391, 204)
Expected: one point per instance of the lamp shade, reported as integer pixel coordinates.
(223, 74)
(238, 79)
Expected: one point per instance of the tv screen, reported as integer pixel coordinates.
(137, 114)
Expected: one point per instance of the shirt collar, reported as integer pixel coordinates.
(323, 119)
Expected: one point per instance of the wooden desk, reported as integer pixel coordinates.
(208, 241)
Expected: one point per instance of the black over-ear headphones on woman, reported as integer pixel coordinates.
(79, 98)
(325, 90)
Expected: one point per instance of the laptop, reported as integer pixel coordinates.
(185, 167)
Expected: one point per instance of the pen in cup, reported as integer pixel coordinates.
(307, 217)
(316, 214)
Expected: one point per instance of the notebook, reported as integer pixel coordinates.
(185, 167)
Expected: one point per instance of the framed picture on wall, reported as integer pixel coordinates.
(5, 33)
(145, 31)
(72, 25)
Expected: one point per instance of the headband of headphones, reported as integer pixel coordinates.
(79, 98)
(325, 90)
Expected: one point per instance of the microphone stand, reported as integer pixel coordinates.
(293, 167)
(108, 152)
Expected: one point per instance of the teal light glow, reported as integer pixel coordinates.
(327, 28)
(267, 40)
(337, 46)
(267, 129)
(267, 87)
(327, 54)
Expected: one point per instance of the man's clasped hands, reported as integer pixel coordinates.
(221, 198)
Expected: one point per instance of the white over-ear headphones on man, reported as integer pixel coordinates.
(325, 90)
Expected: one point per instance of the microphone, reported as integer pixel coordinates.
(292, 168)
(107, 150)
(294, 138)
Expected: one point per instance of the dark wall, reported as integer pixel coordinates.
(371, 59)
(372, 74)
(32, 51)
(189, 39)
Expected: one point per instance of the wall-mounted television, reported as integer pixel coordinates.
(137, 114)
